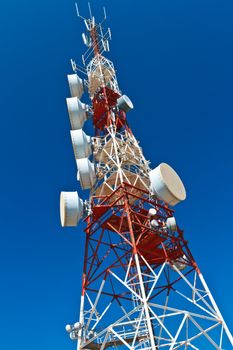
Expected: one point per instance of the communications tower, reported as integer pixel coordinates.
(141, 286)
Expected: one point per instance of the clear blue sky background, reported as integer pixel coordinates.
(174, 60)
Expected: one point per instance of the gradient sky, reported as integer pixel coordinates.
(174, 60)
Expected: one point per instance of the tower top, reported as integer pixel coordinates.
(94, 38)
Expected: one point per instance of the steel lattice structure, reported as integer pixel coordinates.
(141, 286)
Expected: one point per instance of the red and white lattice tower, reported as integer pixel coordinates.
(141, 287)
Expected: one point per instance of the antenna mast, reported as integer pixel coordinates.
(141, 286)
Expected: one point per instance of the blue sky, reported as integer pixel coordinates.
(174, 60)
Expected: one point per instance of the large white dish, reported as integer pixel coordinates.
(86, 173)
(77, 112)
(76, 85)
(71, 208)
(81, 143)
(166, 184)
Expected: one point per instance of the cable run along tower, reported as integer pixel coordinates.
(141, 286)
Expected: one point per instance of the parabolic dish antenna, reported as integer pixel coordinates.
(71, 208)
(125, 103)
(76, 85)
(86, 173)
(81, 143)
(77, 112)
(167, 185)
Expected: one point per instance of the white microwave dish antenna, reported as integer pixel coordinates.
(77, 112)
(86, 173)
(71, 208)
(81, 143)
(75, 85)
(167, 185)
